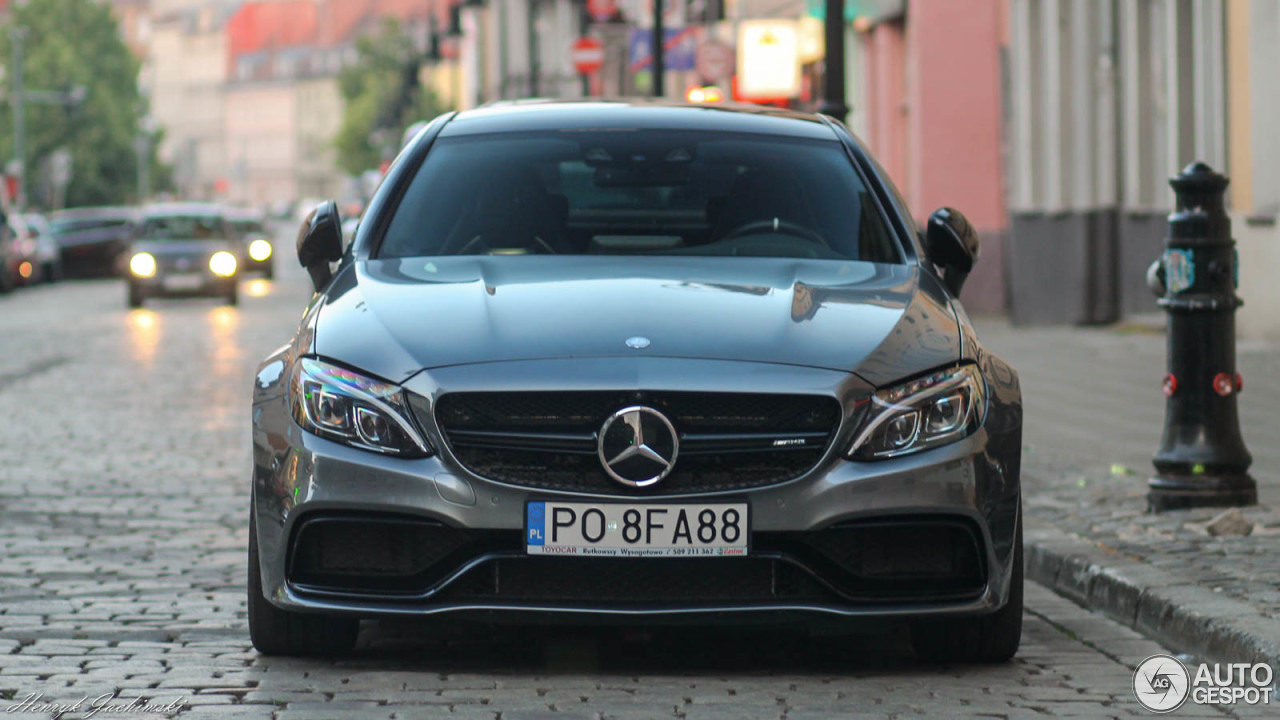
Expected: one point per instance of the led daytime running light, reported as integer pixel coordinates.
(929, 411)
(343, 405)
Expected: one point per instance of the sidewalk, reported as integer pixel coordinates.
(1093, 418)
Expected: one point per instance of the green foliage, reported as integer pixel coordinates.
(70, 43)
(382, 98)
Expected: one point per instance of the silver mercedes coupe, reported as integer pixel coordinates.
(637, 362)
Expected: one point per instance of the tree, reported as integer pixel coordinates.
(77, 43)
(383, 96)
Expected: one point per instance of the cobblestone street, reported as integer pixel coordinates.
(124, 483)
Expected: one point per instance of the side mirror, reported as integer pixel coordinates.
(320, 243)
(952, 244)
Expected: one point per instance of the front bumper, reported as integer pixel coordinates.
(446, 540)
(166, 284)
(266, 266)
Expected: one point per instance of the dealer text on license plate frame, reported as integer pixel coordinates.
(591, 529)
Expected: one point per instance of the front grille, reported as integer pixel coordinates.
(636, 582)
(728, 441)
(181, 264)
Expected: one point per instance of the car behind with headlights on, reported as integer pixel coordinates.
(637, 362)
(256, 249)
(182, 249)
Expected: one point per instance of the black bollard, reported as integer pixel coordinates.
(1202, 461)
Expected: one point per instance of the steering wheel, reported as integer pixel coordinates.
(776, 226)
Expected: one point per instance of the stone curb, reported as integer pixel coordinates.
(1171, 610)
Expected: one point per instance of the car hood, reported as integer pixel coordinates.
(394, 318)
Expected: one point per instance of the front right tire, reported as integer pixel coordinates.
(281, 632)
(136, 296)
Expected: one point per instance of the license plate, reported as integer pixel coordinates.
(183, 282)
(636, 530)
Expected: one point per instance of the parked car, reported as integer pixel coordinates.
(183, 249)
(10, 254)
(92, 240)
(704, 370)
(255, 241)
(40, 260)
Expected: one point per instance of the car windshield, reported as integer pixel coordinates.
(639, 192)
(245, 228)
(183, 227)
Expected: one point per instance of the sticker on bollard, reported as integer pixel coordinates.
(1179, 270)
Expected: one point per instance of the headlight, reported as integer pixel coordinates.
(142, 264)
(223, 264)
(342, 405)
(259, 250)
(934, 410)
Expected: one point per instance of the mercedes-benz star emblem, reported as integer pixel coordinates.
(638, 446)
(637, 342)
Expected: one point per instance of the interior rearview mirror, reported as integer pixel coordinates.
(320, 243)
(952, 245)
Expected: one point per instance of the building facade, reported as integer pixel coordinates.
(184, 76)
(1111, 98)
(283, 107)
(925, 91)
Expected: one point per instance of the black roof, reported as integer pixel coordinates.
(526, 115)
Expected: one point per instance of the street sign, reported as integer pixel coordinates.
(714, 60)
(767, 59)
(587, 54)
(679, 49)
(602, 10)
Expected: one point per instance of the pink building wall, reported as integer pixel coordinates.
(886, 70)
(934, 121)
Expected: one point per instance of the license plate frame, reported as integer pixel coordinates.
(542, 525)
(182, 282)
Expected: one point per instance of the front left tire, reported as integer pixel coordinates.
(136, 296)
(280, 632)
(991, 638)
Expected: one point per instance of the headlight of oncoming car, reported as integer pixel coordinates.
(259, 250)
(143, 265)
(933, 410)
(223, 264)
(342, 405)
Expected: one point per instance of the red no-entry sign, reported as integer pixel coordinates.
(587, 54)
(602, 10)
